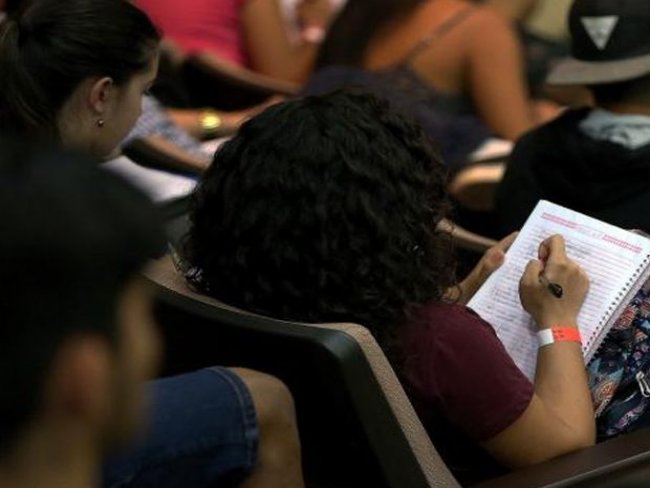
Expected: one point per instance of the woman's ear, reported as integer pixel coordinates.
(100, 94)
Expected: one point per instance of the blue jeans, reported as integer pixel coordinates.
(202, 433)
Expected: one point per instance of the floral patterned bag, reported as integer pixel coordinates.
(619, 375)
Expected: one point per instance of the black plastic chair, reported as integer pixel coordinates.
(357, 426)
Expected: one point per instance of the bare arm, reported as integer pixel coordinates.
(495, 77)
(271, 51)
(191, 119)
(179, 159)
(560, 417)
(512, 9)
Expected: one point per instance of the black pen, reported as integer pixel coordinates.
(555, 289)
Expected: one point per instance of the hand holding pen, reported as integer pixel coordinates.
(547, 279)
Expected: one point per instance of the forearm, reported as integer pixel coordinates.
(561, 384)
(192, 121)
(496, 79)
(293, 65)
(270, 48)
(177, 158)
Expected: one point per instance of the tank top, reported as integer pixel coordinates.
(404, 75)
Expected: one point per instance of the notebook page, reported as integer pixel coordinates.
(611, 257)
(161, 186)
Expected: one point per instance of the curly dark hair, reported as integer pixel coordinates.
(323, 209)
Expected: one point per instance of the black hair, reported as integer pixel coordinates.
(12, 7)
(357, 26)
(53, 45)
(73, 235)
(323, 209)
(635, 90)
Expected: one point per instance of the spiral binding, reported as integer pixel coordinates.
(597, 334)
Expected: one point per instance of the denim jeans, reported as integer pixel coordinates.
(202, 432)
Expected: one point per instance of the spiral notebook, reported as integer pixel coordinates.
(617, 262)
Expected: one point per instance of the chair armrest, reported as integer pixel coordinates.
(465, 239)
(475, 185)
(623, 461)
(155, 152)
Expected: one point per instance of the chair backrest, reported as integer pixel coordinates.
(212, 82)
(475, 185)
(357, 426)
(157, 153)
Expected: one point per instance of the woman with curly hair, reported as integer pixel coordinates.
(325, 209)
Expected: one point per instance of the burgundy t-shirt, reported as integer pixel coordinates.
(463, 384)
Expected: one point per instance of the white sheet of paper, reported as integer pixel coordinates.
(161, 186)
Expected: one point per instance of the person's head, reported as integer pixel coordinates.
(357, 25)
(77, 337)
(323, 209)
(76, 71)
(610, 50)
(11, 7)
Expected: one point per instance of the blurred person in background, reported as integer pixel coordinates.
(595, 160)
(248, 33)
(467, 58)
(78, 338)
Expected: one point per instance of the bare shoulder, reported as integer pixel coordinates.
(485, 27)
(486, 18)
(483, 24)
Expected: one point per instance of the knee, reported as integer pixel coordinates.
(272, 399)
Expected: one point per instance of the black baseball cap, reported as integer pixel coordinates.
(610, 42)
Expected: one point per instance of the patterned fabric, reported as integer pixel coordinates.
(617, 375)
(154, 121)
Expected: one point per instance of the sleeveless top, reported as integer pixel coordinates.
(405, 76)
(448, 119)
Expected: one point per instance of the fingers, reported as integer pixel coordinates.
(495, 256)
(505, 243)
(553, 249)
(531, 274)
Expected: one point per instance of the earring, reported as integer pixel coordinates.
(100, 123)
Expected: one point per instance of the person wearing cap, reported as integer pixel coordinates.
(595, 160)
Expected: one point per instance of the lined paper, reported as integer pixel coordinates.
(615, 260)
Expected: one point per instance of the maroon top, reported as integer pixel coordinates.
(463, 384)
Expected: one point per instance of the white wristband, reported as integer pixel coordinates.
(545, 337)
(558, 334)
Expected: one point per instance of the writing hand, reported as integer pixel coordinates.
(549, 310)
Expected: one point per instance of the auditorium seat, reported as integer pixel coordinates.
(357, 426)
(475, 185)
